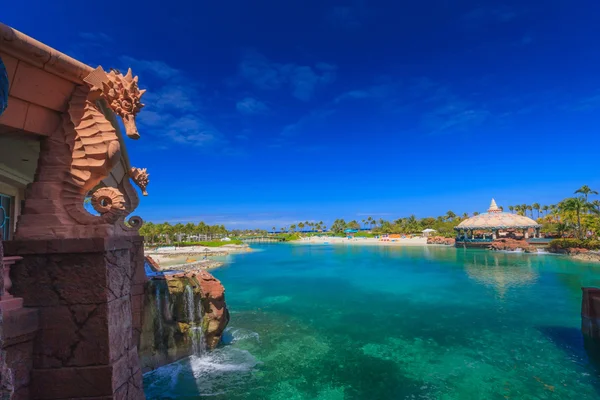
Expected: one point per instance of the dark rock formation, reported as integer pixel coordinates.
(512, 245)
(590, 312)
(441, 240)
(183, 314)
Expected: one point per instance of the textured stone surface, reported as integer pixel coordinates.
(82, 150)
(85, 346)
(512, 245)
(6, 375)
(165, 335)
(216, 312)
(590, 312)
(441, 240)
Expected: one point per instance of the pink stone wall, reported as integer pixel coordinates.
(6, 386)
(84, 290)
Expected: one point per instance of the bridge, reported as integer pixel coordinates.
(260, 239)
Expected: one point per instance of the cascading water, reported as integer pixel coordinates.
(195, 331)
(168, 314)
(159, 316)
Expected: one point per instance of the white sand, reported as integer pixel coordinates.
(416, 241)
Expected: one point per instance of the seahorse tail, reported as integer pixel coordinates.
(108, 202)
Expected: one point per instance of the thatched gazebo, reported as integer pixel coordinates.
(492, 224)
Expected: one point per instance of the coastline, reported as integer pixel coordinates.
(361, 241)
(193, 257)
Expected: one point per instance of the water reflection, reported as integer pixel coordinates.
(493, 270)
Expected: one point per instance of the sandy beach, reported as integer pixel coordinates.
(360, 241)
(175, 257)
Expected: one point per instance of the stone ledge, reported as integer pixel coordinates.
(20, 325)
(61, 246)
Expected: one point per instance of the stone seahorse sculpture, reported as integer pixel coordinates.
(95, 147)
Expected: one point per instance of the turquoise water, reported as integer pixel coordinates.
(337, 322)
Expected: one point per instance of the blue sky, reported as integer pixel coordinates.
(263, 113)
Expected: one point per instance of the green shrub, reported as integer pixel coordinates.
(206, 244)
(563, 244)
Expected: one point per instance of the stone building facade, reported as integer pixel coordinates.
(71, 311)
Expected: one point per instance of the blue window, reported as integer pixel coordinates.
(6, 205)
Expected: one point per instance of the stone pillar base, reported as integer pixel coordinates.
(10, 303)
(82, 289)
(19, 328)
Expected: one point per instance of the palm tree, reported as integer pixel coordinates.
(450, 216)
(530, 209)
(301, 226)
(511, 208)
(465, 215)
(274, 229)
(578, 205)
(585, 191)
(536, 206)
(545, 210)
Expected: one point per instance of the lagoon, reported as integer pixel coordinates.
(332, 322)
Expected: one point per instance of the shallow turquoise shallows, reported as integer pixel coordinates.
(335, 322)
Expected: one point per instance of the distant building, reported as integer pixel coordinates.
(480, 230)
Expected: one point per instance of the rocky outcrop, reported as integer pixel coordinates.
(441, 240)
(183, 314)
(584, 255)
(512, 245)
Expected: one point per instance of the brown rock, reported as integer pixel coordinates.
(441, 240)
(512, 245)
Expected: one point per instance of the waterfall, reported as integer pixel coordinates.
(167, 312)
(195, 331)
(159, 317)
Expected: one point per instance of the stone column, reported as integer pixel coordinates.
(83, 289)
(6, 381)
(526, 233)
(494, 234)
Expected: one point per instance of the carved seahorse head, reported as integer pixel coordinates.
(122, 95)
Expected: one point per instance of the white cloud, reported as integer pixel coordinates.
(302, 80)
(251, 106)
(157, 68)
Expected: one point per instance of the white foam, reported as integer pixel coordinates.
(233, 335)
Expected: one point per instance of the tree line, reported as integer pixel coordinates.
(575, 216)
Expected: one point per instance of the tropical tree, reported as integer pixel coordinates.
(545, 210)
(578, 206)
(354, 225)
(450, 216)
(511, 208)
(301, 226)
(537, 207)
(585, 191)
(339, 225)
